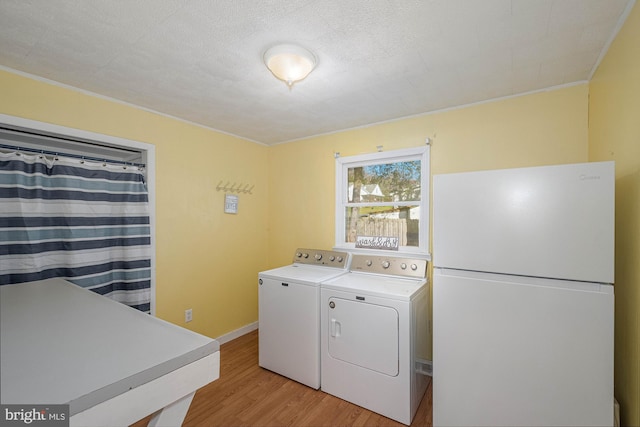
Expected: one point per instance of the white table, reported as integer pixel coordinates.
(113, 365)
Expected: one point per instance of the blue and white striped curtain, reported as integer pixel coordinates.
(82, 221)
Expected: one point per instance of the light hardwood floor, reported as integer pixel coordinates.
(247, 395)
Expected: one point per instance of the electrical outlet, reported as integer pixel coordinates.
(188, 315)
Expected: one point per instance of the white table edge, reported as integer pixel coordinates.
(168, 397)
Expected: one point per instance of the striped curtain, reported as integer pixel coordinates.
(82, 221)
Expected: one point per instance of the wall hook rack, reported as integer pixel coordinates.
(235, 187)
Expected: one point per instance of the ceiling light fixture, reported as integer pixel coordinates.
(289, 62)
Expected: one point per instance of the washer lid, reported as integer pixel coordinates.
(376, 285)
(305, 274)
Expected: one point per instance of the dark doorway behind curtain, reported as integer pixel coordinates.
(86, 222)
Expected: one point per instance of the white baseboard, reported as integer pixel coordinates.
(237, 333)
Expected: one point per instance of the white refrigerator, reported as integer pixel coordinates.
(523, 302)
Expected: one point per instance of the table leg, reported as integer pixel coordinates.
(173, 414)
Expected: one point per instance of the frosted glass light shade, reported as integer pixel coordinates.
(289, 63)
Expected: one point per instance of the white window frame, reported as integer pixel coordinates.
(343, 164)
(148, 155)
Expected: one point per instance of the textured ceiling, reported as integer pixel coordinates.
(378, 60)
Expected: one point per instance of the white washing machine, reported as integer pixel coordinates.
(289, 313)
(375, 332)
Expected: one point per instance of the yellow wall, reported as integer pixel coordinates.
(614, 134)
(537, 129)
(203, 259)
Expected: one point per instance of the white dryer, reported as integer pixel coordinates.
(289, 313)
(374, 327)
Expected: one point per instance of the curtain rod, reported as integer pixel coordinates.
(74, 156)
(58, 137)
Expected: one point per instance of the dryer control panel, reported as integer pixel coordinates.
(394, 266)
(321, 257)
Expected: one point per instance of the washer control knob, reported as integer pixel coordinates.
(332, 258)
(369, 263)
(386, 264)
(340, 259)
(305, 255)
(403, 266)
(318, 257)
(414, 267)
(298, 255)
(332, 304)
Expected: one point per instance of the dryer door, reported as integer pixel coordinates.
(363, 334)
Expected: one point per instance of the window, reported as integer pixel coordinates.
(382, 201)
